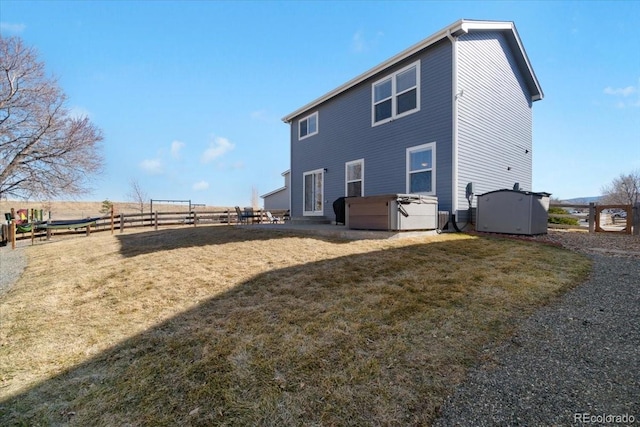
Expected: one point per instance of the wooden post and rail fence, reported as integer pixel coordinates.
(113, 221)
(593, 213)
(600, 221)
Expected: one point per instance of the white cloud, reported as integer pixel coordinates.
(201, 185)
(152, 166)
(626, 91)
(218, 147)
(624, 95)
(358, 44)
(11, 27)
(361, 43)
(262, 116)
(176, 146)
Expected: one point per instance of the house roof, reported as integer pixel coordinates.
(458, 28)
(270, 193)
(285, 173)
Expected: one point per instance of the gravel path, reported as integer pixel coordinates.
(574, 362)
(12, 263)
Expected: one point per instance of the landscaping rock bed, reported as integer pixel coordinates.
(613, 244)
(12, 263)
(574, 362)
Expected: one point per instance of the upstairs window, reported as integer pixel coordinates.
(396, 95)
(308, 126)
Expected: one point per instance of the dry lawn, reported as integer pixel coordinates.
(223, 325)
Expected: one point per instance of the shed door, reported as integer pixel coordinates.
(313, 192)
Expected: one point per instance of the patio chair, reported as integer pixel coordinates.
(241, 217)
(273, 219)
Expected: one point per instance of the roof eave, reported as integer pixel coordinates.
(378, 68)
(270, 193)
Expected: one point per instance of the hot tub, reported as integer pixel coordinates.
(392, 212)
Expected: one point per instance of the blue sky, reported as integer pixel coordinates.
(190, 94)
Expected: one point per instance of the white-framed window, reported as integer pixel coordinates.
(313, 188)
(308, 126)
(354, 178)
(421, 169)
(396, 95)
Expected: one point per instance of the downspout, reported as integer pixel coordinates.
(454, 130)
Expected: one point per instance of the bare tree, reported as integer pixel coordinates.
(44, 151)
(137, 195)
(623, 190)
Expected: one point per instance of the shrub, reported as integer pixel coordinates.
(556, 210)
(567, 220)
(561, 220)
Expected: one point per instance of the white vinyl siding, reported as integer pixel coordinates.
(421, 169)
(494, 144)
(308, 126)
(354, 178)
(396, 95)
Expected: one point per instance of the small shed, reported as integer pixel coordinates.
(392, 212)
(513, 212)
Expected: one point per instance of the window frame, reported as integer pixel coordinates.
(394, 95)
(306, 119)
(346, 176)
(314, 212)
(424, 147)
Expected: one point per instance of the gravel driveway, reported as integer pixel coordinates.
(574, 362)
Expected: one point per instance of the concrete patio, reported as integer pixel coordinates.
(341, 231)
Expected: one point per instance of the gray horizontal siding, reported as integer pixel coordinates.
(278, 200)
(345, 134)
(494, 117)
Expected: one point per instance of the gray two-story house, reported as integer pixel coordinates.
(454, 109)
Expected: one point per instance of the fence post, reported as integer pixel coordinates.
(636, 219)
(12, 232)
(88, 230)
(112, 220)
(228, 217)
(592, 217)
(121, 223)
(195, 218)
(155, 215)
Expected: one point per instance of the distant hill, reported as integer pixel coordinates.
(582, 200)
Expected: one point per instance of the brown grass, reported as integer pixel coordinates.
(235, 326)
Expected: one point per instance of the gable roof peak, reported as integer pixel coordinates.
(458, 28)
